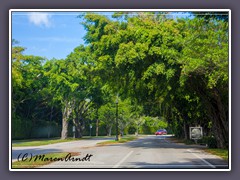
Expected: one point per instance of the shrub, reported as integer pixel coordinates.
(131, 130)
(210, 141)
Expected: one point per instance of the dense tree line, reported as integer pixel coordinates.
(166, 73)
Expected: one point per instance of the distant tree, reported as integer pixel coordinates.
(107, 116)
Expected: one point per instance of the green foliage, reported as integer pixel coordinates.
(169, 73)
(107, 115)
(152, 124)
(206, 52)
(210, 141)
(28, 102)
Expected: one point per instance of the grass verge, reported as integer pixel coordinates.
(184, 141)
(40, 142)
(121, 140)
(33, 163)
(223, 153)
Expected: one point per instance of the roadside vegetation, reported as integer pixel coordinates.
(121, 140)
(210, 146)
(180, 140)
(40, 142)
(223, 153)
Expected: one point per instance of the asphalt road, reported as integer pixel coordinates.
(146, 152)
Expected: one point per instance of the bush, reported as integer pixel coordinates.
(210, 141)
(21, 128)
(131, 130)
(189, 141)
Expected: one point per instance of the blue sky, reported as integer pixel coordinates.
(48, 34)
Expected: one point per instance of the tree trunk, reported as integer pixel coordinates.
(216, 111)
(219, 120)
(78, 131)
(217, 115)
(78, 123)
(65, 117)
(185, 130)
(49, 126)
(97, 124)
(109, 130)
(223, 115)
(64, 127)
(121, 132)
(136, 133)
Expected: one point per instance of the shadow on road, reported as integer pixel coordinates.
(159, 142)
(189, 164)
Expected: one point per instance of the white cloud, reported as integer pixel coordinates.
(40, 19)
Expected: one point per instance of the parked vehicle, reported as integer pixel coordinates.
(161, 132)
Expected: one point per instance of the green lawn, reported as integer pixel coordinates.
(223, 153)
(39, 162)
(40, 142)
(121, 140)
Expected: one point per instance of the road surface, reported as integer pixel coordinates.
(145, 152)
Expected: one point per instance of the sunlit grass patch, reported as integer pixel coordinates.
(121, 140)
(223, 153)
(40, 142)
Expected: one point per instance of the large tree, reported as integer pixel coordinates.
(68, 84)
(204, 65)
(164, 62)
(29, 104)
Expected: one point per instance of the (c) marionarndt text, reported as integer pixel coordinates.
(41, 157)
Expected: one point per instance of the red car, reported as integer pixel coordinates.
(161, 132)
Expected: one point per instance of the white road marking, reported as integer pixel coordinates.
(206, 162)
(122, 160)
